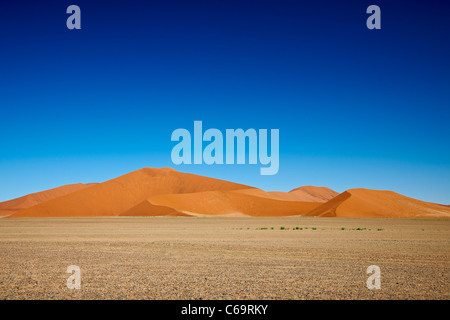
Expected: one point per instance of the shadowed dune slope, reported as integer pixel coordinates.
(9, 207)
(146, 208)
(377, 203)
(224, 203)
(118, 195)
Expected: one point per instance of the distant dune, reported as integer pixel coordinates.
(377, 203)
(12, 206)
(307, 193)
(167, 192)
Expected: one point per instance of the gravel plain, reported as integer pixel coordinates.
(224, 258)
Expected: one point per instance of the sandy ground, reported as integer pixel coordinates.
(224, 258)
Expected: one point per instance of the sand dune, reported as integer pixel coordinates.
(167, 192)
(113, 197)
(315, 194)
(307, 193)
(377, 203)
(304, 194)
(12, 206)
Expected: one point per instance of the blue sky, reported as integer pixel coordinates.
(355, 107)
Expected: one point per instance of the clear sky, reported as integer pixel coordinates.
(355, 107)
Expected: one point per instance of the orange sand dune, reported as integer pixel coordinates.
(316, 194)
(307, 193)
(304, 194)
(9, 207)
(113, 197)
(224, 203)
(377, 203)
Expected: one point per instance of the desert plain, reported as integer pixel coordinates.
(224, 257)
